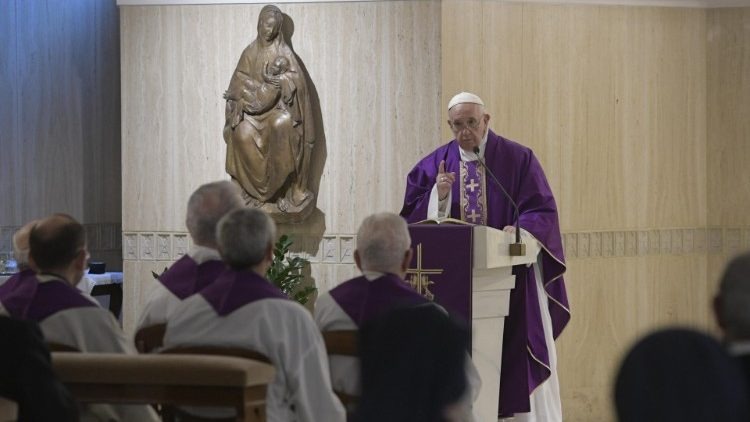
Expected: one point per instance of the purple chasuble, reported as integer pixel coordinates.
(186, 277)
(235, 289)
(52, 297)
(525, 356)
(17, 291)
(364, 300)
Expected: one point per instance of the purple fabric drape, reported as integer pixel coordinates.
(234, 289)
(186, 277)
(364, 300)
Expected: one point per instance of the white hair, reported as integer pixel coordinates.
(382, 241)
(244, 236)
(205, 208)
(734, 295)
(20, 242)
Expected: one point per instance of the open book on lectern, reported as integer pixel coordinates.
(444, 220)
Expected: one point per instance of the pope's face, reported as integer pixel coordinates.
(469, 124)
(268, 26)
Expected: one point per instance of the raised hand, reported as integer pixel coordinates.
(444, 181)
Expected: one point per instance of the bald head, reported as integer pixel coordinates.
(383, 244)
(205, 208)
(56, 242)
(21, 245)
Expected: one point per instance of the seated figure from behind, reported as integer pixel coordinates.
(11, 302)
(732, 309)
(57, 249)
(413, 367)
(242, 309)
(679, 375)
(27, 377)
(383, 255)
(202, 264)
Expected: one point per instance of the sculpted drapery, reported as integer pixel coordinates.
(269, 129)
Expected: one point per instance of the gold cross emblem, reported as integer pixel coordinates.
(419, 277)
(472, 185)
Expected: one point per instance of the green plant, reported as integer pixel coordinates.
(286, 272)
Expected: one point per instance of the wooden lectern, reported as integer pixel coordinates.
(468, 270)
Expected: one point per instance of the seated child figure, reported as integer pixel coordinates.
(259, 97)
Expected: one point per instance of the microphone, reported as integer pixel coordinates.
(518, 248)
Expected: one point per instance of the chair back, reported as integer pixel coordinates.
(342, 343)
(59, 347)
(217, 350)
(150, 338)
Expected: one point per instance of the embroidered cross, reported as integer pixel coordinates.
(419, 279)
(472, 185)
(473, 216)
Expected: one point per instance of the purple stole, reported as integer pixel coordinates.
(525, 356)
(186, 277)
(27, 298)
(364, 300)
(234, 289)
(471, 184)
(17, 291)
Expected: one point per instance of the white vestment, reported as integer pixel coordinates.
(91, 329)
(161, 301)
(329, 316)
(283, 331)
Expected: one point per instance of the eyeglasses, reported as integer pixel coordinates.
(470, 124)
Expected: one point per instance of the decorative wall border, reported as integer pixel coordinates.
(339, 248)
(685, 241)
(170, 246)
(100, 237)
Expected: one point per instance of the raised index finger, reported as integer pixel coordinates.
(441, 168)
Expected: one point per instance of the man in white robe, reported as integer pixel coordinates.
(242, 309)
(383, 255)
(57, 247)
(202, 264)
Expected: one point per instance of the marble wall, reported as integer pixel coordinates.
(60, 118)
(376, 71)
(636, 114)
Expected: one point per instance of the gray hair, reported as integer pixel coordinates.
(382, 240)
(734, 294)
(205, 208)
(21, 244)
(244, 236)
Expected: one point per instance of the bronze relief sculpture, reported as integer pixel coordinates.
(269, 128)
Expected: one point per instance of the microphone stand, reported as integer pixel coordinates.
(518, 248)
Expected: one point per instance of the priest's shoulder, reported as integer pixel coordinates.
(509, 144)
(439, 154)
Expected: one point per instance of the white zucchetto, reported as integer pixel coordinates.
(465, 97)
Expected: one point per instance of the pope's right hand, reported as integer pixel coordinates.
(444, 181)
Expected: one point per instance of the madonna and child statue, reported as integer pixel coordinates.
(269, 128)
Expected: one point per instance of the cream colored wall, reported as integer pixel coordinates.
(60, 118)
(612, 99)
(729, 117)
(376, 69)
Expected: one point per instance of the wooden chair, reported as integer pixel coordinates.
(149, 339)
(342, 343)
(59, 347)
(169, 413)
(168, 379)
